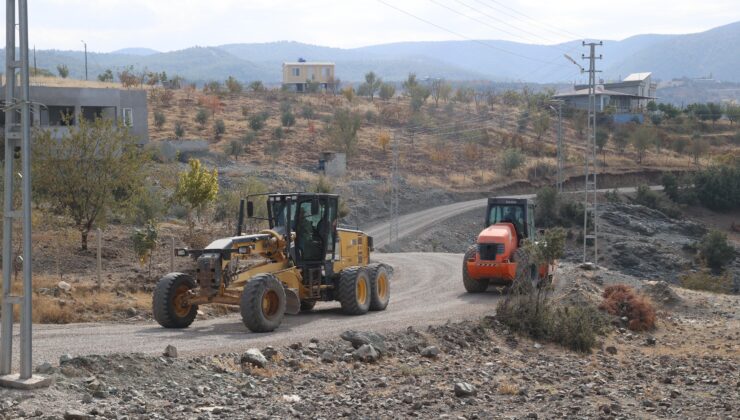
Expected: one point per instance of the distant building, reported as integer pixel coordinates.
(636, 91)
(620, 101)
(297, 75)
(58, 108)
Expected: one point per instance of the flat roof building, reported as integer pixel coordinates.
(297, 75)
(59, 108)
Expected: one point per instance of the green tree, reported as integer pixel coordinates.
(541, 124)
(278, 133)
(652, 106)
(106, 76)
(698, 148)
(257, 86)
(546, 212)
(63, 70)
(733, 113)
(371, 85)
(159, 119)
(144, 241)
(233, 85)
(440, 89)
(387, 90)
(511, 160)
(715, 251)
(236, 148)
(410, 83)
(343, 130)
(641, 140)
(219, 128)
(602, 138)
(715, 111)
(201, 117)
(92, 171)
(196, 188)
(621, 138)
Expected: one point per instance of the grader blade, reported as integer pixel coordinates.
(292, 301)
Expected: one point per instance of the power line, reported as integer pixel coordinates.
(486, 44)
(563, 31)
(537, 36)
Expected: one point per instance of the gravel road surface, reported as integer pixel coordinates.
(426, 289)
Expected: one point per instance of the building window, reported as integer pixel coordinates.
(327, 72)
(127, 115)
(296, 71)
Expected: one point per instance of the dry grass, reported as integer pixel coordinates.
(506, 387)
(83, 304)
(621, 300)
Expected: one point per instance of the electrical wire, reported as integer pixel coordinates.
(486, 44)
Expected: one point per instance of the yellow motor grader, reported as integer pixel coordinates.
(303, 258)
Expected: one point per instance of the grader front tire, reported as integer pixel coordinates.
(263, 303)
(168, 305)
(354, 291)
(380, 287)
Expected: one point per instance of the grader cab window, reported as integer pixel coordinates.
(310, 230)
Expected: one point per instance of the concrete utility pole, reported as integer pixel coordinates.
(395, 181)
(561, 155)
(590, 216)
(85, 44)
(17, 141)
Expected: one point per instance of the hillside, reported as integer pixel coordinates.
(667, 56)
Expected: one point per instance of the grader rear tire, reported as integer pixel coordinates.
(263, 303)
(167, 303)
(472, 285)
(380, 287)
(353, 291)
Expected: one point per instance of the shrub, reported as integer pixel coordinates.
(714, 250)
(236, 148)
(179, 130)
(256, 122)
(612, 196)
(159, 119)
(541, 170)
(219, 128)
(287, 119)
(622, 301)
(307, 112)
(278, 133)
(387, 91)
(703, 280)
(574, 327)
(571, 212)
(718, 187)
(201, 117)
(233, 85)
(511, 160)
(249, 138)
(647, 197)
(371, 116)
(257, 86)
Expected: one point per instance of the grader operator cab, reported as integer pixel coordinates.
(303, 258)
(498, 257)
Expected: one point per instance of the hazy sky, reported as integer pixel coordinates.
(166, 25)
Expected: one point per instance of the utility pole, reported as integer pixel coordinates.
(17, 143)
(395, 180)
(35, 69)
(85, 43)
(590, 216)
(560, 151)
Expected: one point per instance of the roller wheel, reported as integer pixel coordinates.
(263, 303)
(472, 285)
(307, 305)
(353, 291)
(168, 302)
(380, 286)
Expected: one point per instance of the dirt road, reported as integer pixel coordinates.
(426, 289)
